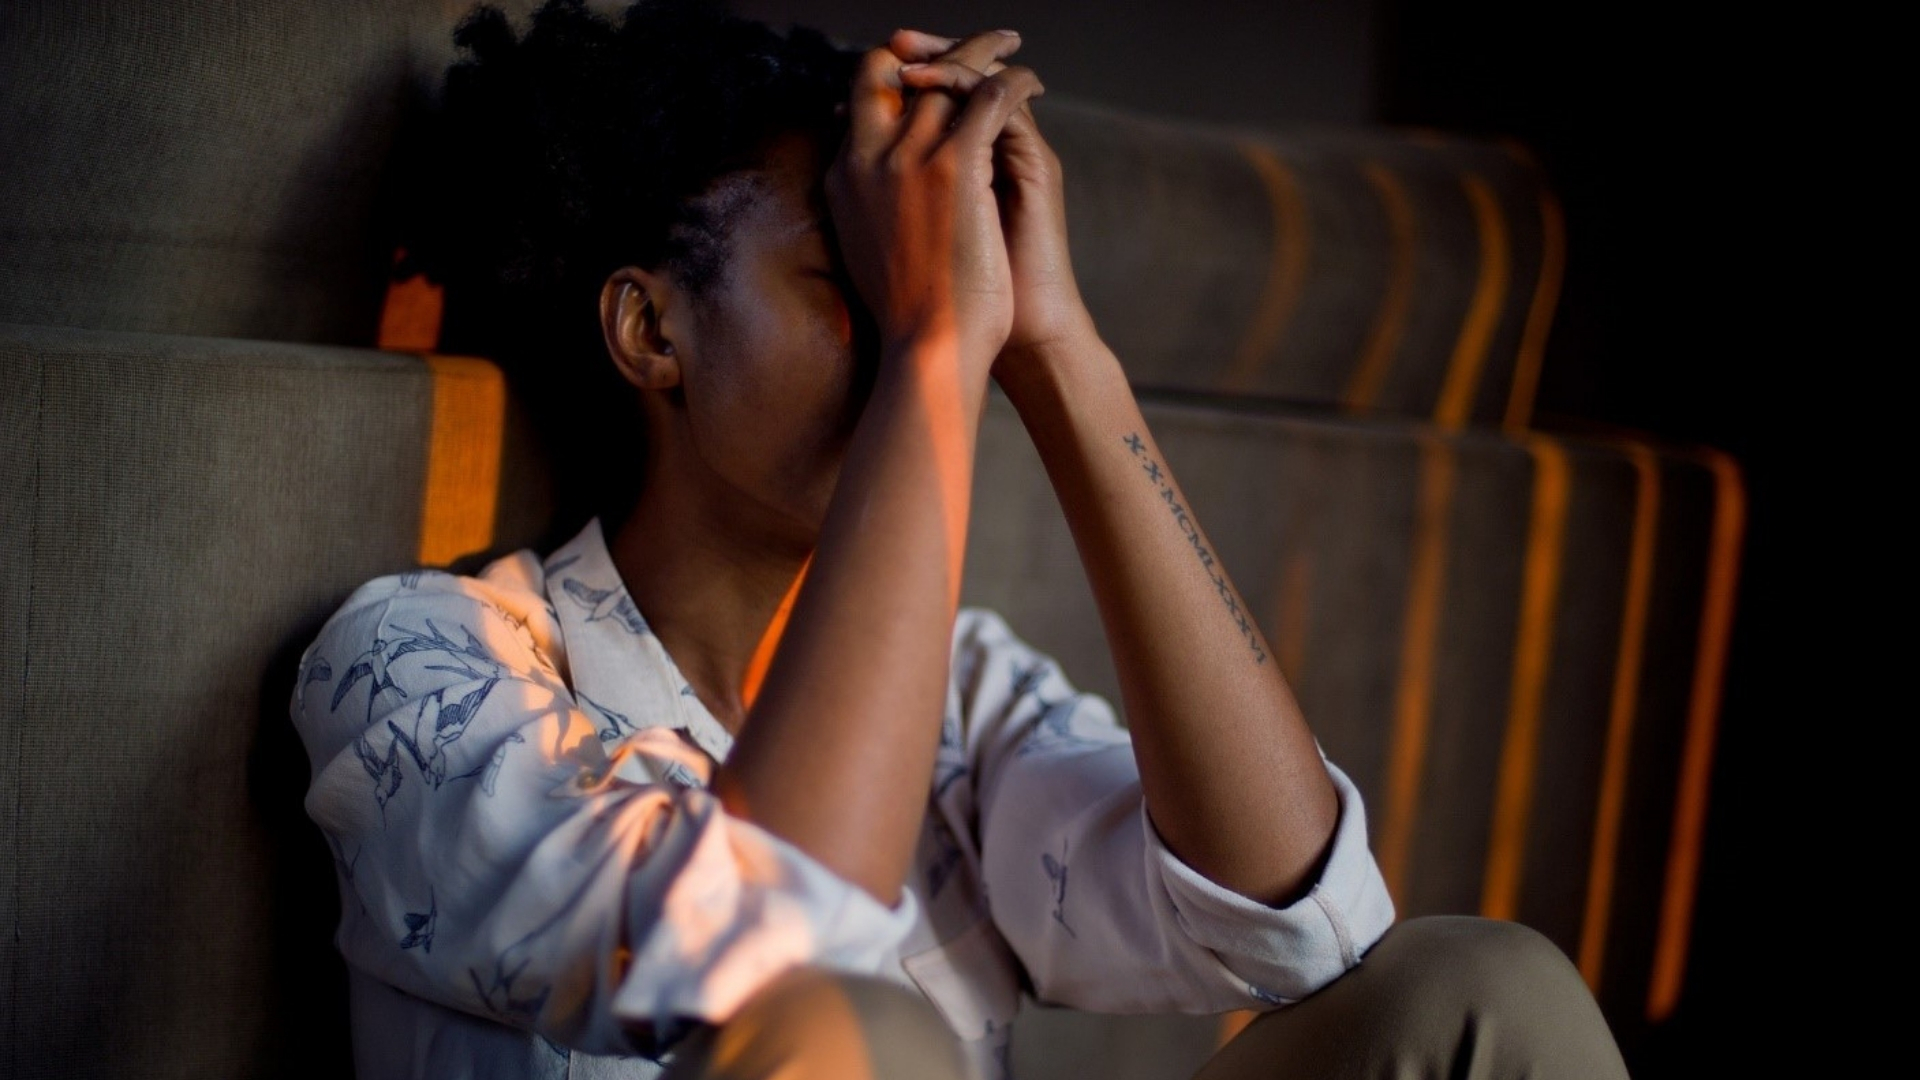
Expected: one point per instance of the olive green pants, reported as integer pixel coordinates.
(1455, 997)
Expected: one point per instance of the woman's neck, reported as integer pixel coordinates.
(707, 588)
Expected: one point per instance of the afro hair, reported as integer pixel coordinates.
(587, 143)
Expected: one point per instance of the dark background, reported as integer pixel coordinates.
(1673, 140)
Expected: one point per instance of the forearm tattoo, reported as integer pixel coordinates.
(1163, 483)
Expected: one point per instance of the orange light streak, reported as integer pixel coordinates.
(938, 384)
(1413, 697)
(410, 319)
(1604, 857)
(1703, 717)
(1546, 297)
(1233, 1023)
(463, 458)
(1455, 407)
(770, 640)
(1286, 271)
(1532, 662)
(1383, 337)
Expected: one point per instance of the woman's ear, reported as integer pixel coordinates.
(631, 306)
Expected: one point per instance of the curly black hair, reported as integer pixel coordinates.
(583, 145)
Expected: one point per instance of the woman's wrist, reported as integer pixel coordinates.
(935, 368)
(1040, 376)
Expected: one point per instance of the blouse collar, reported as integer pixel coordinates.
(619, 667)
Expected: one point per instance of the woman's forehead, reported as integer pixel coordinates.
(783, 202)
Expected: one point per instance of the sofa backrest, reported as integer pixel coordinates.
(216, 168)
(180, 514)
(1407, 273)
(1508, 639)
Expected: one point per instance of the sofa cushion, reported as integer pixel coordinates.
(179, 515)
(212, 168)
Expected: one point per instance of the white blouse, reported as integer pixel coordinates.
(511, 773)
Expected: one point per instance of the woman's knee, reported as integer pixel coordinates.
(1447, 996)
(1475, 960)
(1501, 980)
(813, 1023)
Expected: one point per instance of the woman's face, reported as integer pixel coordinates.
(773, 382)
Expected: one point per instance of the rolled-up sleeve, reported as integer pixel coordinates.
(1100, 913)
(1282, 954)
(506, 850)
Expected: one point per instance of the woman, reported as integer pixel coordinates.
(578, 828)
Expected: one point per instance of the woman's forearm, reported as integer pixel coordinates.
(1233, 779)
(837, 754)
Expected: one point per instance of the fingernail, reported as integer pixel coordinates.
(911, 67)
(1009, 33)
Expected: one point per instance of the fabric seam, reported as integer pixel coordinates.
(20, 748)
(1341, 934)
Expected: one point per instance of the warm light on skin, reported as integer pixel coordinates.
(900, 509)
(770, 641)
(952, 424)
(851, 699)
(802, 1024)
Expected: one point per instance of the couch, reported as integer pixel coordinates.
(1512, 638)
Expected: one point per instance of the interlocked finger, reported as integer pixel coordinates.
(930, 114)
(876, 105)
(918, 46)
(992, 101)
(956, 81)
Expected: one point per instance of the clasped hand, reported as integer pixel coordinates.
(948, 204)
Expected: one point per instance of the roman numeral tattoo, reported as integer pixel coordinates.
(1158, 476)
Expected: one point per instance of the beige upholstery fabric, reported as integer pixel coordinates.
(180, 182)
(214, 168)
(180, 539)
(1372, 270)
(172, 505)
(1527, 548)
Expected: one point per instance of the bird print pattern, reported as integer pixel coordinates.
(950, 760)
(439, 718)
(420, 925)
(601, 604)
(427, 743)
(463, 709)
(370, 664)
(1057, 872)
